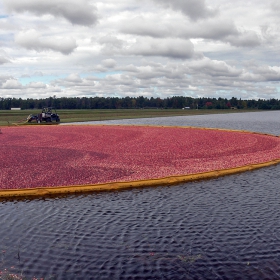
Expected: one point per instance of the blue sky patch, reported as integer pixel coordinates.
(44, 79)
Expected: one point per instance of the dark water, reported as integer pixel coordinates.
(227, 228)
(267, 122)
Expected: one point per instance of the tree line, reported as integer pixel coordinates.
(175, 102)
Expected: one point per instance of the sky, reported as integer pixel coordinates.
(150, 48)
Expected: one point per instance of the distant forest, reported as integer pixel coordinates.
(176, 102)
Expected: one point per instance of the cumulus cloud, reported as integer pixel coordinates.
(147, 46)
(77, 12)
(109, 63)
(106, 65)
(75, 84)
(12, 84)
(74, 78)
(194, 9)
(264, 73)
(173, 48)
(275, 6)
(244, 39)
(218, 29)
(215, 68)
(32, 40)
(214, 29)
(36, 85)
(144, 26)
(4, 60)
(111, 44)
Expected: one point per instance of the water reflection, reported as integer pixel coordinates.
(266, 122)
(227, 228)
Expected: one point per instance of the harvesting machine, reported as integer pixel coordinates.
(48, 115)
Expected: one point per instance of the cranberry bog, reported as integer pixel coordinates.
(41, 160)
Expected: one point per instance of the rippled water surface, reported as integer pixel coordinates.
(227, 228)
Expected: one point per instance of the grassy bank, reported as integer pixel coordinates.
(8, 117)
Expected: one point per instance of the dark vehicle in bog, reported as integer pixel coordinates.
(48, 115)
